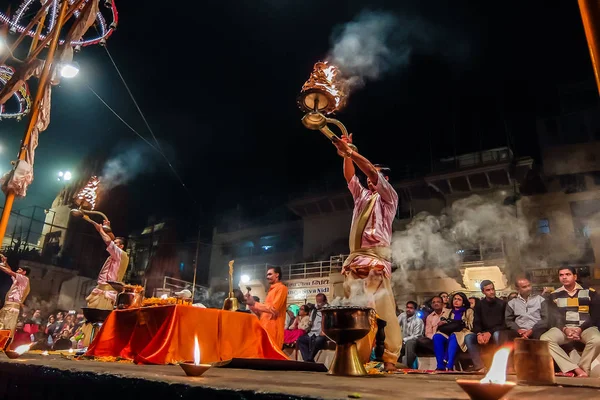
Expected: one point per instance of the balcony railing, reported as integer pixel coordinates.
(321, 269)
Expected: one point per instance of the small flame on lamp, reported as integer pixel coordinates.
(497, 372)
(164, 297)
(23, 348)
(196, 351)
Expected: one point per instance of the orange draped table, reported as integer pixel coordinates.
(165, 335)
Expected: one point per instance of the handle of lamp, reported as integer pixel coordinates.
(107, 229)
(332, 136)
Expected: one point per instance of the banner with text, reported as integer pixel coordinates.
(306, 290)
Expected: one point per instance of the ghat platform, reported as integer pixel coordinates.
(54, 377)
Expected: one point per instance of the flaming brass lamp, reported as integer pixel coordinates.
(85, 200)
(346, 325)
(323, 93)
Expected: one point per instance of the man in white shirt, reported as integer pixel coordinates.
(412, 330)
(314, 341)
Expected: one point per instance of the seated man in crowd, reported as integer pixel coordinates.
(412, 329)
(314, 341)
(432, 322)
(523, 314)
(488, 322)
(573, 316)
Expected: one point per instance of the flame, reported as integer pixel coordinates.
(326, 77)
(164, 297)
(23, 348)
(497, 372)
(89, 193)
(196, 351)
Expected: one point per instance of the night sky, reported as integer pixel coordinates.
(218, 85)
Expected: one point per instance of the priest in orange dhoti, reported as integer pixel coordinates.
(272, 313)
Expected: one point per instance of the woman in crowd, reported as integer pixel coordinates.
(455, 323)
(473, 301)
(292, 312)
(299, 327)
(445, 299)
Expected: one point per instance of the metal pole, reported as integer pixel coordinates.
(196, 264)
(29, 227)
(38, 32)
(35, 110)
(590, 14)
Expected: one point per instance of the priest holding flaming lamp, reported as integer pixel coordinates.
(374, 210)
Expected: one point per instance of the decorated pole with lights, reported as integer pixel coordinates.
(43, 82)
(43, 21)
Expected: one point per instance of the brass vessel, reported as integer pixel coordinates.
(346, 325)
(231, 302)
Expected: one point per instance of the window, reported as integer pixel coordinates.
(572, 183)
(543, 226)
(596, 175)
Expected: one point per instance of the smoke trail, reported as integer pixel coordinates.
(377, 42)
(125, 166)
(433, 247)
(358, 297)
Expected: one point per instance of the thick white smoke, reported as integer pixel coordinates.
(437, 243)
(126, 165)
(432, 247)
(378, 42)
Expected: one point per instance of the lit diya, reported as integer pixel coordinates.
(195, 368)
(18, 352)
(494, 385)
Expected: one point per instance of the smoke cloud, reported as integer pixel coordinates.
(126, 165)
(437, 245)
(376, 43)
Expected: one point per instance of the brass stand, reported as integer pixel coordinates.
(346, 361)
(345, 326)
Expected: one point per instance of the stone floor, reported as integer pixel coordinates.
(52, 373)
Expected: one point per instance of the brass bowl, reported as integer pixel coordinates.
(346, 325)
(485, 391)
(192, 369)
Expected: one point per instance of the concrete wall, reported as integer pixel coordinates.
(325, 235)
(219, 257)
(74, 291)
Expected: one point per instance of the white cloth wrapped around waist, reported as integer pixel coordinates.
(109, 294)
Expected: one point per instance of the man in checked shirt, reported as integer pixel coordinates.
(573, 316)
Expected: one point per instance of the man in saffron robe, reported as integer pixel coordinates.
(369, 261)
(272, 312)
(16, 295)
